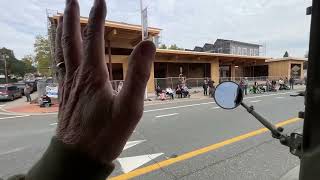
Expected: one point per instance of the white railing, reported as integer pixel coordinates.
(252, 79)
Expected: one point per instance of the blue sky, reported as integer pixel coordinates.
(281, 24)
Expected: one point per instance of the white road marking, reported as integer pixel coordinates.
(130, 144)
(280, 97)
(166, 115)
(131, 163)
(215, 108)
(191, 105)
(53, 124)
(177, 107)
(255, 101)
(12, 151)
(12, 117)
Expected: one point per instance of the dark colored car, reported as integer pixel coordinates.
(20, 86)
(49, 80)
(299, 81)
(9, 92)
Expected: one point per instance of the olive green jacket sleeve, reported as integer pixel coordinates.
(61, 162)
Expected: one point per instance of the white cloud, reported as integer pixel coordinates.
(282, 24)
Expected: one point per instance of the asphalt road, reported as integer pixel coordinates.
(181, 140)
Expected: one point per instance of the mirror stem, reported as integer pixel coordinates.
(276, 132)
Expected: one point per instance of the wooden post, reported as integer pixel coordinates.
(110, 61)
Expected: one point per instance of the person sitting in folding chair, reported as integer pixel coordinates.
(45, 101)
(170, 93)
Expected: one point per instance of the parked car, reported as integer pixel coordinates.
(20, 86)
(9, 92)
(49, 80)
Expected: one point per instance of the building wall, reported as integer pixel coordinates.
(233, 72)
(283, 68)
(150, 84)
(119, 59)
(215, 75)
(244, 49)
(222, 47)
(279, 69)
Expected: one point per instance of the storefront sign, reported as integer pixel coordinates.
(296, 70)
(52, 91)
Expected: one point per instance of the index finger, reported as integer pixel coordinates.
(71, 36)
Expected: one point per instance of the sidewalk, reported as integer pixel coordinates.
(20, 106)
(193, 96)
(199, 96)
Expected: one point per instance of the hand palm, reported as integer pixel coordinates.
(91, 116)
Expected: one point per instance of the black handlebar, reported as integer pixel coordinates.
(276, 132)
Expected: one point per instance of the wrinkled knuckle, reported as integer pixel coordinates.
(66, 40)
(59, 56)
(90, 32)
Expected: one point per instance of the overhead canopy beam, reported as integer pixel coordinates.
(136, 41)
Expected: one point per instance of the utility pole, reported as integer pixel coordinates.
(144, 31)
(5, 57)
(5, 68)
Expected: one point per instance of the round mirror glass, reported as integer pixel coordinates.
(228, 95)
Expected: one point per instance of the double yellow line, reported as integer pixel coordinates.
(168, 162)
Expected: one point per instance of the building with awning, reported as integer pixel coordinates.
(121, 38)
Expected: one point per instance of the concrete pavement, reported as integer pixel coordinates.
(170, 131)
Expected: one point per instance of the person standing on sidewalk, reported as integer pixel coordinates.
(27, 91)
(205, 88)
(291, 81)
(241, 84)
(245, 85)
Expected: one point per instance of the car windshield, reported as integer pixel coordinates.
(140, 84)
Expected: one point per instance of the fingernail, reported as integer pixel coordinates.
(70, 1)
(97, 2)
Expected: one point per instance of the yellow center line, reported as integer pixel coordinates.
(197, 152)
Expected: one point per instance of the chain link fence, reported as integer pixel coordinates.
(173, 82)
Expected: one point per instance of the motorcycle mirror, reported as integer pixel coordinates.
(228, 95)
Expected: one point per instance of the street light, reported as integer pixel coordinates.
(5, 57)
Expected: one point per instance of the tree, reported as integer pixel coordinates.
(286, 54)
(28, 61)
(42, 55)
(175, 47)
(14, 66)
(163, 46)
